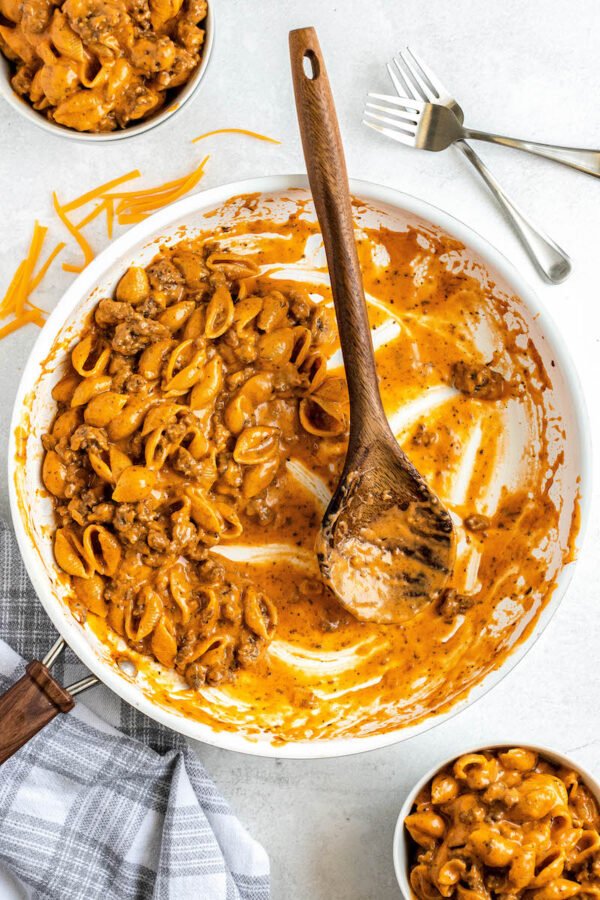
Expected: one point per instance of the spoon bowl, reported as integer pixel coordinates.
(386, 542)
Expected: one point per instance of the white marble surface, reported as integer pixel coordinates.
(328, 824)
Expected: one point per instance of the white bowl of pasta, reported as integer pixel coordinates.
(92, 109)
(285, 672)
(504, 819)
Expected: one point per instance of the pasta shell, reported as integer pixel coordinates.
(153, 359)
(156, 449)
(424, 888)
(231, 521)
(187, 377)
(11, 9)
(133, 484)
(16, 41)
(195, 325)
(69, 553)
(104, 408)
(175, 317)
(257, 478)
(102, 549)
(208, 386)
(54, 474)
(66, 423)
(160, 415)
(83, 110)
(190, 264)
(274, 311)
(64, 38)
(219, 313)
(134, 286)
(324, 328)
(314, 369)
(246, 311)
(205, 512)
(163, 10)
(231, 265)
(152, 610)
(63, 391)
(90, 357)
(195, 442)
(129, 419)
(90, 387)
(238, 412)
(90, 593)
(256, 445)
(276, 347)
(301, 345)
(260, 614)
(164, 644)
(180, 589)
(321, 418)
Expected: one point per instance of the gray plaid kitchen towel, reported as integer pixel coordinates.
(104, 803)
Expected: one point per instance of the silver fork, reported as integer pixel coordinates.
(450, 117)
(408, 114)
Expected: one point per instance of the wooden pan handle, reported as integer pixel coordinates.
(328, 179)
(28, 706)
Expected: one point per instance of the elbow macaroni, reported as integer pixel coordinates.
(505, 824)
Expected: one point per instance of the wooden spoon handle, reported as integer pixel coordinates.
(328, 179)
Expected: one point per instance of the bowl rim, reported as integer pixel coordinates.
(81, 288)
(185, 93)
(400, 843)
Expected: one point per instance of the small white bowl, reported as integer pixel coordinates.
(179, 99)
(401, 843)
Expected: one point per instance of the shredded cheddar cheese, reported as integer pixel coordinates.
(254, 134)
(88, 253)
(100, 192)
(16, 299)
(134, 206)
(124, 207)
(33, 316)
(42, 272)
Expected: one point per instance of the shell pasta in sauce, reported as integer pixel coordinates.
(506, 823)
(201, 426)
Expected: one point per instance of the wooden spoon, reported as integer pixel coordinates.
(386, 544)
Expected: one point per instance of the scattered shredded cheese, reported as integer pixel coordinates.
(16, 299)
(134, 206)
(100, 191)
(42, 272)
(126, 207)
(88, 253)
(254, 134)
(34, 316)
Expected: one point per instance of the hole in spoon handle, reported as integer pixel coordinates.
(310, 65)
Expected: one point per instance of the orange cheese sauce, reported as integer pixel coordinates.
(325, 675)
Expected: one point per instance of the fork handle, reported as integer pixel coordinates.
(552, 262)
(584, 160)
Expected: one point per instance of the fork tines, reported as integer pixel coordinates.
(402, 114)
(415, 84)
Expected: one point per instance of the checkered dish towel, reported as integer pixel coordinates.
(88, 811)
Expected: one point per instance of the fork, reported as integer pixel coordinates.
(448, 120)
(409, 112)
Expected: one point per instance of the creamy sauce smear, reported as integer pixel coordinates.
(325, 674)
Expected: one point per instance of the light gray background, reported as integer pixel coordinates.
(530, 69)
